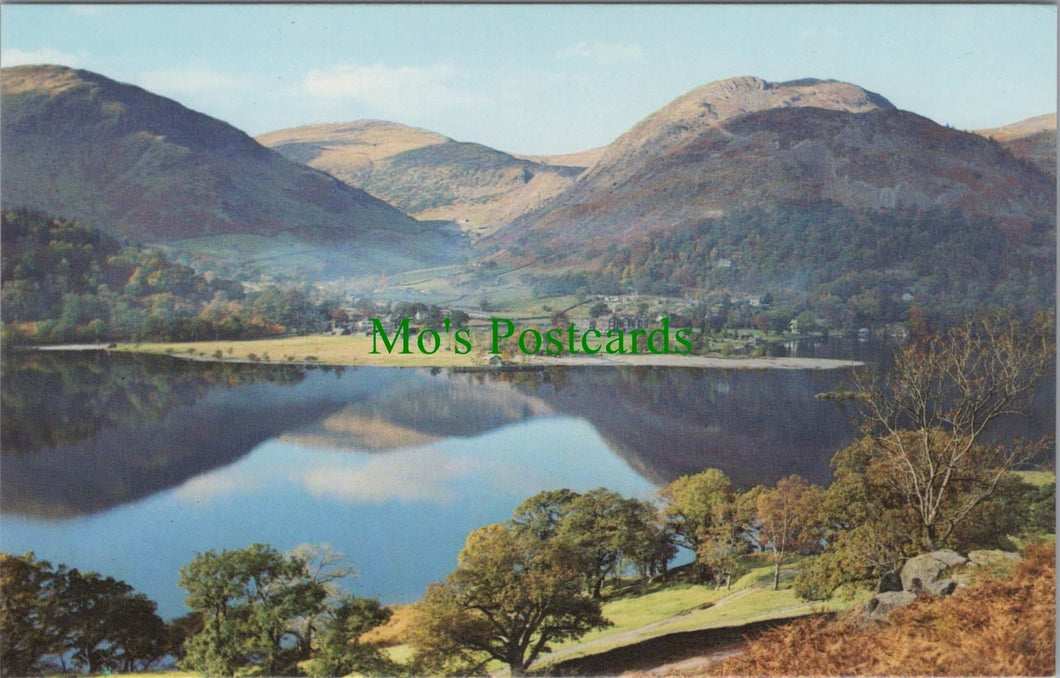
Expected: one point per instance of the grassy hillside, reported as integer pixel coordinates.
(639, 613)
(137, 165)
(428, 175)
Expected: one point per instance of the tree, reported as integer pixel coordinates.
(603, 526)
(868, 525)
(277, 613)
(459, 319)
(721, 544)
(339, 650)
(323, 568)
(598, 309)
(182, 628)
(541, 514)
(29, 608)
(252, 601)
(694, 505)
(510, 596)
(98, 622)
(652, 545)
(927, 419)
(108, 625)
(787, 519)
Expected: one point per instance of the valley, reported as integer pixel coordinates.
(234, 359)
(815, 194)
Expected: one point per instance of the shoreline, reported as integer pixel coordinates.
(702, 361)
(204, 352)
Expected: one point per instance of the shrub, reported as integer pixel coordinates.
(999, 626)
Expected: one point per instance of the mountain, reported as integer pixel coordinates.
(1033, 139)
(746, 142)
(136, 165)
(579, 159)
(426, 174)
(689, 116)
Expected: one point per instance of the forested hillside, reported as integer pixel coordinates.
(845, 263)
(63, 282)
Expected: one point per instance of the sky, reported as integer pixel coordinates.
(541, 79)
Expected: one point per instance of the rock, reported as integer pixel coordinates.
(890, 581)
(951, 558)
(993, 558)
(942, 587)
(924, 570)
(883, 603)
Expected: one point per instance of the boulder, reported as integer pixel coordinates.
(942, 587)
(890, 581)
(921, 572)
(882, 603)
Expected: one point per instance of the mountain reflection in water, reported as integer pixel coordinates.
(131, 464)
(85, 432)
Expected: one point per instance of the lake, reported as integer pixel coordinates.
(130, 465)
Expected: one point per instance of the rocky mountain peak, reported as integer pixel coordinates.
(691, 114)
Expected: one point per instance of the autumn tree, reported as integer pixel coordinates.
(541, 514)
(928, 417)
(604, 527)
(108, 625)
(787, 520)
(696, 508)
(51, 614)
(869, 527)
(609, 531)
(29, 609)
(722, 543)
(511, 595)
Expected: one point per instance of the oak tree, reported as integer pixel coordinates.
(696, 507)
(511, 595)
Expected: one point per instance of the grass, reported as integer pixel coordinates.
(323, 349)
(1037, 478)
(673, 608)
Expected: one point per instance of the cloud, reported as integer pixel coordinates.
(407, 476)
(13, 56)
(400, 89)
(215, 486)
(603, 53)
(191, 81)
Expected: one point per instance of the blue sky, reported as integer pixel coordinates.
(542, 78)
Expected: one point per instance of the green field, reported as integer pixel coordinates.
(639, 611)
(317, 348)
(664, 609)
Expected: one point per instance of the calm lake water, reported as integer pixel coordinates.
(129, 465)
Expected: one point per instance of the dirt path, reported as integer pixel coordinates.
(634, 635)
(693, 666)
